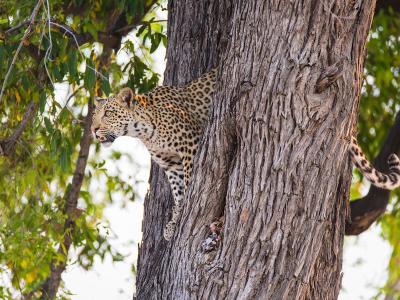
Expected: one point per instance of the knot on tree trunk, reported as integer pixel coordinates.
(329, 76)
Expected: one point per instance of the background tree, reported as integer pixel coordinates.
(45, 47)
(263, 163)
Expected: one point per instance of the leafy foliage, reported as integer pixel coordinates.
(36, 177)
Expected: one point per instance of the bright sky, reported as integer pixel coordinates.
(110, 280)
(364, 270)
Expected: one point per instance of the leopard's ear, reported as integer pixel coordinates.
(99, 102)
(126, 97)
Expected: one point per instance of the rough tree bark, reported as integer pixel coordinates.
(274, 157)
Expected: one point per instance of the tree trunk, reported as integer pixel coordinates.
(273, 159)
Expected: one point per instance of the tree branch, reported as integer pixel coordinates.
(7, 145)
(394, 289)
(27, 31)
(365, 211)
(131, 26)
(385, 4)
(50, 286)
(16, 28)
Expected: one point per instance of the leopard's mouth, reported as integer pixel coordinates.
(108, 140)
(110, 137)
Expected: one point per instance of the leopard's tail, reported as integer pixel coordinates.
(386, 181)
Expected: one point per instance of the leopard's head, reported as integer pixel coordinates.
(112, 116)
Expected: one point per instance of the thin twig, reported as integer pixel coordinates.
(15, 28)
(131, 26)
(27, 31)
(72, 95)
(70, 32)
(48, 51)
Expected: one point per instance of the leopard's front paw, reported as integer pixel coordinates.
(215, 237)
(169, 230)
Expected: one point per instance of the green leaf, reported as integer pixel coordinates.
(64, 115)
(90, 76)
(85, 195)
(42, 102)
(55, 142)
(2, 58)
(72, 65)
(155, 41)
(140, 30)
(25, 82)
(57, 73)
(49, 126)
(63, 159)
(105, 86)
(164, 40)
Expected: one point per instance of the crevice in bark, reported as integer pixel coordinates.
(231, 156)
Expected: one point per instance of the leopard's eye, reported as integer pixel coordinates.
(107, 113)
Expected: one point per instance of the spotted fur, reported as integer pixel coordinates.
(389, 181)
(169, 121)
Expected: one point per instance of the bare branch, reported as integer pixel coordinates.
(16, 28)
(131, 26)
(50, 47)
(23, 40)
(393, 291)
(7, 145)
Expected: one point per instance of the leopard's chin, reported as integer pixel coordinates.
(106, 144)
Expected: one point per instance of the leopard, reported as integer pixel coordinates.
(169, 120)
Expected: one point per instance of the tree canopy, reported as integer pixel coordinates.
(68, 55)
(56, 56)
